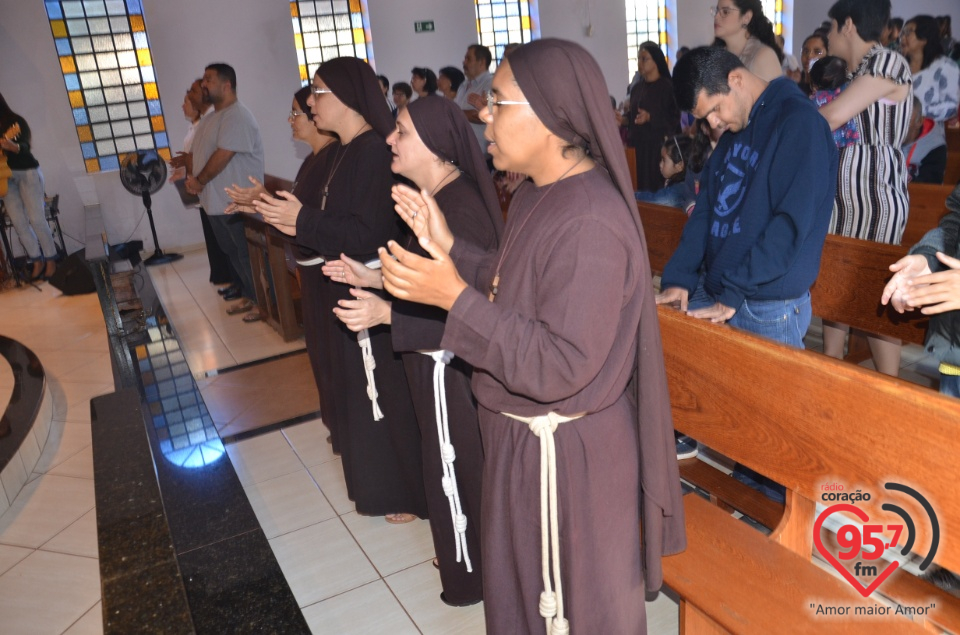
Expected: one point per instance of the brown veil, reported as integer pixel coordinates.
(566, 90)
(447, 133)
(356, 85)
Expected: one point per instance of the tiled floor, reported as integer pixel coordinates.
(49, 574)
(352, 573)
(211, 339)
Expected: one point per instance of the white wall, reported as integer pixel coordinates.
(397, 48)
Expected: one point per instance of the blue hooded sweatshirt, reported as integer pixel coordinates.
(764, 206)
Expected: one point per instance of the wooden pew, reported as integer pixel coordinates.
(951, 175)
(852, 276)
(804, 420)
(927, 207)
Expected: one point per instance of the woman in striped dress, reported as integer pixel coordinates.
(872, 201)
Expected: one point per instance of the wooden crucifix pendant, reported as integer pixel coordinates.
(494, 287)
(323, 201)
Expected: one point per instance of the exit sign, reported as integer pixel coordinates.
(424, 27)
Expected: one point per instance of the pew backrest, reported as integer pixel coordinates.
(806, 420)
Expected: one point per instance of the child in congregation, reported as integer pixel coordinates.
(828, 78)
(681, 157)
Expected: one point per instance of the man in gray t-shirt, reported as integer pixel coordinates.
(226, 150)
(472, 94)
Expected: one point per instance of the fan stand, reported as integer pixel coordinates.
(158, 257)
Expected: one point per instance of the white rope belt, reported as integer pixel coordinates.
(369, 363)
(551, 604)
(311, 262)
(448, 455)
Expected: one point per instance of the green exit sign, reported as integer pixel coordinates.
(424, 27)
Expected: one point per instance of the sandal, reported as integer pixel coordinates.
(436, 563)
(399, 519)
(252, 317)
(240, 307)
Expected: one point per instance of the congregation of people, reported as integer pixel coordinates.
(450, 230)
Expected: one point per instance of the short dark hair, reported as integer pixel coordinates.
(927, 28)
(705, 68)
(225, 72)
(896, 23)
(828, 73)
(454, 74)
(384, 81)
(429, 77)
(481, 52)
(869, 16)
(404, 88)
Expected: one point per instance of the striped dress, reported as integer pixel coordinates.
(872, 201)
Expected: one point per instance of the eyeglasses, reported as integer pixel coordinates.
(320, 91)
(294, 114)
(722, 11)
(492, 101)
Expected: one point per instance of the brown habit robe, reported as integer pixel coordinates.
(473, 214)
(573, 329)
(381, 459)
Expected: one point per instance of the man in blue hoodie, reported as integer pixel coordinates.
(751, 249)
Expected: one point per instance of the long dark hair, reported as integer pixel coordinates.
(759, 26)
(658, 58)
(7, 116)
(927, 28)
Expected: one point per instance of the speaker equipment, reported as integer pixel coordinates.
(73, 277)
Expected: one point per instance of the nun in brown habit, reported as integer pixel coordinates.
(380, 454)
(568, 367)
(435, 147)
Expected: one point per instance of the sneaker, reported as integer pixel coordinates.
(686, 447)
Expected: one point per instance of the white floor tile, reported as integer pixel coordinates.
(79, 539)
(391, 548)
(329, 476)
(13, 477)
(44, 508)
(64, 441)
(90, 624)
(288, 503)
(663, 615)
(321, 561)
(29, 450)
(263, 458)
(418, 589)
(80, 465)
(46, 593)
(10, 556)
(309, 441)
(369, 609)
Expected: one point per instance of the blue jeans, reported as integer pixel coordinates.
(950, 385)
(24, 203)
(784, 321)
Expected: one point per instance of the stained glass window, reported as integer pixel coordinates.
(646, 22)
(325, 29)
(502, 22)
(773, 9)
(111, 84)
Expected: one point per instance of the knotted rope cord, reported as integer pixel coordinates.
(369, 363)
(551, 603)
(447, 455)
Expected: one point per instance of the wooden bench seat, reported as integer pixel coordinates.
(738, 581)
(804, 420)
(928, 204)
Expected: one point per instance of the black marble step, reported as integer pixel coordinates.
(28, 386)
(181, 549)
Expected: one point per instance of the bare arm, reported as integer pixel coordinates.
(215, 165)
(862, 92)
